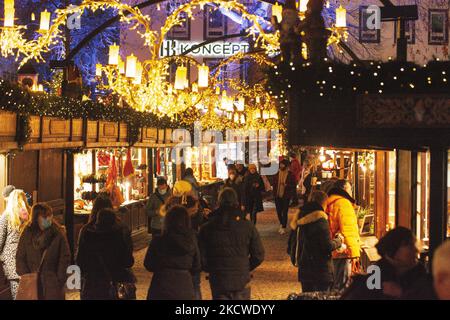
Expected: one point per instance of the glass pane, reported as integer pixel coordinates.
(391, 190)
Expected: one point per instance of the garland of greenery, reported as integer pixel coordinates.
(14, 98)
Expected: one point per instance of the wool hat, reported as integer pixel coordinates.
(7, 190)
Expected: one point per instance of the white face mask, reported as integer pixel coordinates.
(162, 191)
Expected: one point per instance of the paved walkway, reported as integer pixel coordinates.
(275, 279)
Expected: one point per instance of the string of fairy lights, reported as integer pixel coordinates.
(144, 86)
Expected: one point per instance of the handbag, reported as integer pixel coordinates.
(5, 286)
(120, 290)
(29, 283)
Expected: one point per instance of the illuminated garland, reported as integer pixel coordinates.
(331, 82)
(15, 99)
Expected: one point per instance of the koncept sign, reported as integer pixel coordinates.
(216, 49)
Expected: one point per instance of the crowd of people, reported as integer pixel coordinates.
(190, 237)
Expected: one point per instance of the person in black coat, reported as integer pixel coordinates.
(315, 268)
(252, 189)
(230, 249)
(104, 256)
(401, 275)
(234, 183)
(173, 257)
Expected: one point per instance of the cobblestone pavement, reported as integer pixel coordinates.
(275, 279)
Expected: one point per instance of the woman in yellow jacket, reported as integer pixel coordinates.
(342, 219)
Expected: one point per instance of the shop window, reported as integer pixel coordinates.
(215, 23)
(391, 190)
(3, 179)
(423, 191)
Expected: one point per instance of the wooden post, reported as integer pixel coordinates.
(438, 196)
(403, 209)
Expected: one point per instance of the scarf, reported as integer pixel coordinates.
(282, 176)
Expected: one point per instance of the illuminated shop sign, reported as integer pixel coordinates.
(216, 49)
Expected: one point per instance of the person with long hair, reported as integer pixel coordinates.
(104, 257)
(12, 222)
(173, 257)
(44, 241)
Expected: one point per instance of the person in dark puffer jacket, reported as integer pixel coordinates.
(315, 268)
(173, 257)
(230, 249)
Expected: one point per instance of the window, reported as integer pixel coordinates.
(437, 26)
(367, 35)
(410, 32)
(213, 64)
(391, 190)
(215, 23)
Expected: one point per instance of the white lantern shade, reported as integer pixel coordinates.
(131, 66)
(181, 78)
(9, 17)
(241, 104)
(121, 66)
(113, 55)
(40, 88)
(341, 17)
(203, 75)
(9, 4)
(138, 78)
(266, 115)
(273, 114)
(277, 11)
(45, 20)
(224, 101)
(258, 99)
(303, 6)
(98, 70)
(242, 119)
(217, 90)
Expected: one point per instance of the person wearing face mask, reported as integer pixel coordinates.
(12, 222)
(283, 184)
(156, 200)
(402, 276)
(44, 241)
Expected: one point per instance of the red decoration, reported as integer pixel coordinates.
(103, 158)
(128, 169)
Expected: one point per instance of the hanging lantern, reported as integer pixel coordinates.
(121, 66)
(33, 17)
(203, 74)
(9, 13)
(258, 99)
(223, 101)
(341, 17)
(138, 77)
(236, 118)
(241, 104)
(45, 21)
(242, 119)
(131, 66)
(180, 78)
(273, 114)
(218, 90)
(257, 114)
(277, 11)
(195, 88)
(266, 115)
(113, 55)
(303, 6)
(229, 104)
(98, 70)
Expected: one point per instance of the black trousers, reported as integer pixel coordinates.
(282, 206)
